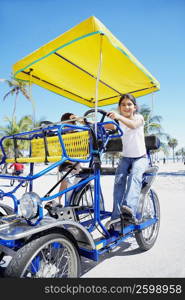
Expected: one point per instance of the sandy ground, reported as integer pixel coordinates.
(166, 258)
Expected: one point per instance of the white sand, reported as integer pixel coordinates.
(166, 258)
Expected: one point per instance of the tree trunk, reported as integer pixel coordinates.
(173, 155)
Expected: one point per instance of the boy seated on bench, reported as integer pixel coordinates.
(66, 118)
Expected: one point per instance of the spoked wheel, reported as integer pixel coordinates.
(85, 199)
(49, 256)
(4, 211)
(151, 209)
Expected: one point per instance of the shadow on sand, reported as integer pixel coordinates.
(178, 173)
(5, 185)
(124, 249)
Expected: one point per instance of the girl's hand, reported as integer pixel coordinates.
(113, 115)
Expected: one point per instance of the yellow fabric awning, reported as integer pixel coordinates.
(68, 66)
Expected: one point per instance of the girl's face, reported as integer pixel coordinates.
(127, 108)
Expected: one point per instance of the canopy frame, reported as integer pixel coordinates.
(68, 66)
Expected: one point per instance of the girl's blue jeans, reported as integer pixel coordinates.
(128, 183)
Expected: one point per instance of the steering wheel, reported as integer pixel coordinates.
(104, 114)
(101, 111)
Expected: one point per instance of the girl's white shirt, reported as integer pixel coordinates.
(133, 139)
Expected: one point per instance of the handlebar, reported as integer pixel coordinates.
(104, 114)
(101, 111)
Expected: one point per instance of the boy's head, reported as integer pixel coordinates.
(68, 116)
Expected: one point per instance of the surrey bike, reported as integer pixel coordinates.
(50, 245)
(89, 65)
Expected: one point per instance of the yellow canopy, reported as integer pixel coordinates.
(70, 64)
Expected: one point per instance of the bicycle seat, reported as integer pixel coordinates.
(103, 171)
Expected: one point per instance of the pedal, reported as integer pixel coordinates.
(111, 223)
(54, 211)
(127, 216)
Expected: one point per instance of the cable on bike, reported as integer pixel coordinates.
(63, 177)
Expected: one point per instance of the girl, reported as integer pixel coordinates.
(133, 162)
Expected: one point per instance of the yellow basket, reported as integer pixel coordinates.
(77, 146)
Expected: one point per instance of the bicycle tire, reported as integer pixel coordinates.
(146, 238)
(50, 256)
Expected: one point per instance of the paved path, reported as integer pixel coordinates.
(166, 258)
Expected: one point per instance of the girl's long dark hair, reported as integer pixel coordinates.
(130, 97)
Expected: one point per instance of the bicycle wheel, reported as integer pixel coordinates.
(151, 209)
(49, 256)
(4, 211)
(84, 197)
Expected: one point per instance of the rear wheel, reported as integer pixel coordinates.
(151, 209)
(49, 256)
(84, 198)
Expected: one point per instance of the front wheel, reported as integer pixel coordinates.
(150, 209)
(4, 211)
(49, 256)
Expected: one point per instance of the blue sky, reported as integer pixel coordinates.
(154, 31)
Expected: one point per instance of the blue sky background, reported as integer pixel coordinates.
(154, 31)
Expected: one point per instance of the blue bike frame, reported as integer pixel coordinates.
(93, 153)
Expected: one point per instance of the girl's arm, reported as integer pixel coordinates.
(133, 124)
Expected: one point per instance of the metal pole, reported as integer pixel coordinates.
(97, 81)
(31, 96)
(152, 112)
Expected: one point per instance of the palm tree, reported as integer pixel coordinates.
(165, 149)
(152, 123)
(153, 126)
(17, 87)
(182, 154)
(13, 127)
(172, 143)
